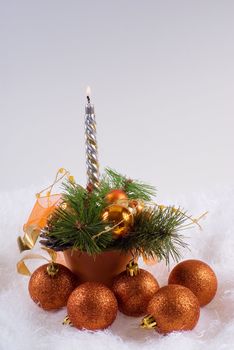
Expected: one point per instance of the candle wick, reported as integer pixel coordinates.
(88, 98)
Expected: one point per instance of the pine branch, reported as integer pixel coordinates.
(156, 232)
(134, 189)
(77, 223)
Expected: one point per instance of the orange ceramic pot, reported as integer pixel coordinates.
(60, 258)
(101, 268)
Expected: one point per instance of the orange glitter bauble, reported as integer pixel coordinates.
(92, 306)
(198, 277)
(133, 289)
(115, 196)
(120, 217)
(173, 308)
(51, 285)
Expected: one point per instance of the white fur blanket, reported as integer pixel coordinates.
(25, 326)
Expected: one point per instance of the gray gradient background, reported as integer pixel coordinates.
(162, 79)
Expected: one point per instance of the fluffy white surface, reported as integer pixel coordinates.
(25, 326)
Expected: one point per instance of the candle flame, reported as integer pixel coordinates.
(88, 91)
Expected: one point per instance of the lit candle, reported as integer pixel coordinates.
(91, 144)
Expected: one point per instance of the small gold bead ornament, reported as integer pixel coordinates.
(136, 205)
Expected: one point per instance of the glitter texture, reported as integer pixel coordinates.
(92, 306)
(198, 277)
(51, 292)
(134, 293)
(174, 308)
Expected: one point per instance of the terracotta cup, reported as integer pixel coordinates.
(103, 268)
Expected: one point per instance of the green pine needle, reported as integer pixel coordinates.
(156, 232)
(78, 224)
(134, 189)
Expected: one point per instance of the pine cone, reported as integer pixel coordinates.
(53, 243)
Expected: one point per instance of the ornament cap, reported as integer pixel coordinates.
(52, 269)
(67, 321)
(132, 269)
(148, 322)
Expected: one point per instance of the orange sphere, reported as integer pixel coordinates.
(92, 306)
(51, 291)
(116, 196)
(134, 292)
(198, 277)
(174, 308)
(120, 217)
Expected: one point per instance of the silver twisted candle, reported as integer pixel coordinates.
(91, 144)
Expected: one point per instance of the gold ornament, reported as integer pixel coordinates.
(198, 277)
(92, 306)
(133, 289)
(67, 209)
(136, 205)
(173, 308)
(120, 217)
(115, 196)
(50, 286)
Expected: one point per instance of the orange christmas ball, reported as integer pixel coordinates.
(173, 308)
(92, 306)
(120, 217)
(116, 196)
(133, 289)
(198, 277)
(51, 285)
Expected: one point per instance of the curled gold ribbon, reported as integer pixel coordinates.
(22, 267)
(29, 239)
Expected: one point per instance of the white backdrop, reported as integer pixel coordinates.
(162, 77)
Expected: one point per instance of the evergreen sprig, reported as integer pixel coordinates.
(156, 234)
(134, 189)
(77, 223)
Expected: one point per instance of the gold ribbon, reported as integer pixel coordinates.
(29, 239)
(22, 267)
